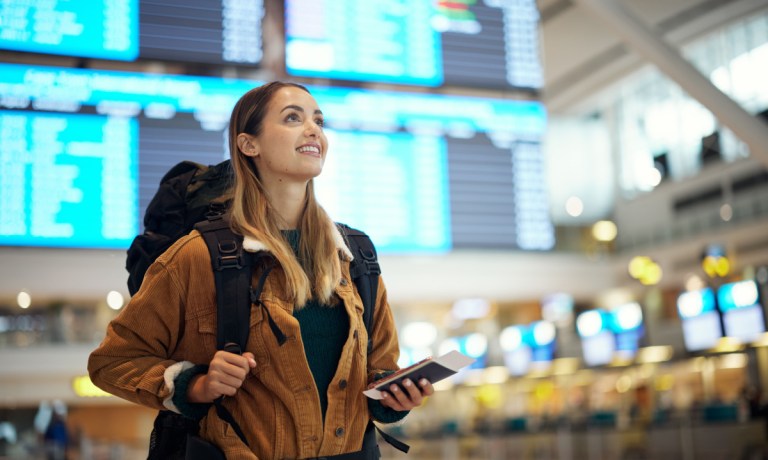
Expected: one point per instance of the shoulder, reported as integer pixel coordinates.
(188, 249)
(358, 242)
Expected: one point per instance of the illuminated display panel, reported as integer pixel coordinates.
(198, 31)
(743, 316)
(700, 319)
(98, 28)
(67, 180)
(421, 173)
(201, 31)
(490, 44)
(598, 341)
(598, 350)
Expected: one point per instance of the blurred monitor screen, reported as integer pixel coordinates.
(83, 152)
(518, 361)
(702, 332)
(598, 349)
(745, 324)
(742, 310)
(491, 44)
(197, 31)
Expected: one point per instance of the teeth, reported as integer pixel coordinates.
(309, 148)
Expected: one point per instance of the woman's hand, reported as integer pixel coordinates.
(226, 374)
(408, 396)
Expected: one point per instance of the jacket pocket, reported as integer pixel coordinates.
(208, 335)
(259, 332)
(206, 328)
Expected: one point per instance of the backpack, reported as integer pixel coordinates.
(192, 195)
(189, 192)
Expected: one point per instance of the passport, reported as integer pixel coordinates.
(432, 369)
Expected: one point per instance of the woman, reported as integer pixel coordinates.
(301, 399)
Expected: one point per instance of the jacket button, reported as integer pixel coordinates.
(343, 282)
(339, 432)
(343, 384)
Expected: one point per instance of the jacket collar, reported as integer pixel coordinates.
(252, 244)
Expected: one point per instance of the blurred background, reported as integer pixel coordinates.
(574, 192)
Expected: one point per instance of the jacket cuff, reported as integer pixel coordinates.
(378, 374)
(177, 401)
(383, 414)
(380, 413)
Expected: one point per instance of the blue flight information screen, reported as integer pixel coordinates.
(68, 180)
(82, 153)
(106, 29)
(223, 32)
(413, 212)
(487, 44)
(380, 41)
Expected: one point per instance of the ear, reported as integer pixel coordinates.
(248, 145)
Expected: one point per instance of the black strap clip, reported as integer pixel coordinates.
(371, 263)
(230, 256)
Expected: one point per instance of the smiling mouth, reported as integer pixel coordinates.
(309, 150)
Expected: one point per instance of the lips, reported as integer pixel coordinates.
(309, 149)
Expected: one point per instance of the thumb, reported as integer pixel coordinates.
(251, 359)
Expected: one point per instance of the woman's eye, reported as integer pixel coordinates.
(292, 117)
(320, 122)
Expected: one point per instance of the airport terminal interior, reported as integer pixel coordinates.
(573, 193)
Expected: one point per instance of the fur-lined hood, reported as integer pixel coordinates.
(251, 244)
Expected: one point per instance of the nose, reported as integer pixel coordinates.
(312, 129)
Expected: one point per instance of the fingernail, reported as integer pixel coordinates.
(423, 382)
(407, 383)
(394, 388)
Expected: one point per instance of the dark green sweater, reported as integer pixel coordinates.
(324, 330)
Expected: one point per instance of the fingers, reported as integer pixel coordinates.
(231, 360)
(407, 396)
(251, 359)
(426, 387)
(227, 371)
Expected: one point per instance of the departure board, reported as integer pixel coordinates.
(198, 31)
(201, 31)
(489, 44)
(83, 152)
(96, 28)
(414, 212)
(67, 180)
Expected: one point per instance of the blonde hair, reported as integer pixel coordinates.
(317, 270)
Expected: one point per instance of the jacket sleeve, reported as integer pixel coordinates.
(383, 358)
(134, 359)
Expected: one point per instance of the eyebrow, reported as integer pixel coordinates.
(299, 109)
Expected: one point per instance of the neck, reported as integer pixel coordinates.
(288, 201)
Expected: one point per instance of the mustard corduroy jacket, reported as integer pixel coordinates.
(170, 325)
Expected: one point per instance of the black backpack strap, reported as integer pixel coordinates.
(364, 270)
(232, 268)
(232, 274)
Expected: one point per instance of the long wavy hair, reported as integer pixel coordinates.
(317, 270)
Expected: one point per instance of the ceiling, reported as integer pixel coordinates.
(583, 56)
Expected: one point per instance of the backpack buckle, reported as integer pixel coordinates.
(371, 264)
(229, 256)
(216, 211)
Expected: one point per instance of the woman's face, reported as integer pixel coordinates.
(291, 146)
